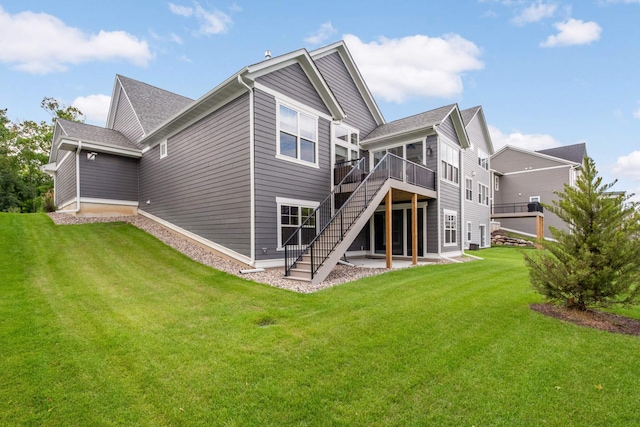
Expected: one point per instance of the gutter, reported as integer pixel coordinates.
(77, 209)
(252, 172)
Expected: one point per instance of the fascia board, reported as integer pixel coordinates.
(533, 153)
(115, 96)
(72, 144)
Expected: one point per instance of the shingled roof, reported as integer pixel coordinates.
(469, 113)
(418, 121)
(94, 134)
(152, 105)
(573, 153)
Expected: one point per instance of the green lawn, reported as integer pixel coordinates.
(101, 324)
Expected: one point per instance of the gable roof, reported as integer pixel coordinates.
(478, 112)
(152, 105)
(574, 153)
(535, 154)
(341, 48)
(69, 135)
(419, 123)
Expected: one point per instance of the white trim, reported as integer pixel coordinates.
(486, 201)
(298, 136)
(536, 170)
(59, 164)
(292, 103)
(480, 226)
(469, 232)
(145, 149)
(455, 147)
(450, 212)
(534, 197)
(108, 201)
(269, 263)
(465, 188)
(406, 212)
(101, 148)
(215, 246)
(280, 201)
(496, 182)
(550, 239)
(144, 134)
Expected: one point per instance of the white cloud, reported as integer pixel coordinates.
(535, 141)
(175, 38)
(214, 22)
(415, 66)
(628, 166)
(40, 43)
(535, 12)
(323, 33)
(94, 107)
(573, 32)
(181, 10)
(636, 112)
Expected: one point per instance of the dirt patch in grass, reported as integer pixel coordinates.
(591, 319)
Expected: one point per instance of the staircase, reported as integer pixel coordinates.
(310, 256)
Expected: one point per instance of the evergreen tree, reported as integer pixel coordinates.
(597, 262)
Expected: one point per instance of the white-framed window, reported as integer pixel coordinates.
(469, 228)
(534, 199)
(450, 163)
(483, 159)
(297, 136)
(496, 183)
(450, 228)
(346, 144)
(291, 214)
(483, 194)
(163, 149)
(468, 189)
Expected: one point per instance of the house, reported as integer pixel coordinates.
(477, 179)
(523, 179)
(287, 162)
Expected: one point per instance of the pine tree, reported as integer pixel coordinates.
(597, 262)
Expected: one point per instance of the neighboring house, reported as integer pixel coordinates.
(523, 179)
(477, 180)
(287, 162)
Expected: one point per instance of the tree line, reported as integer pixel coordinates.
(24, 149)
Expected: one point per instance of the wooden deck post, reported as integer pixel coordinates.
(414, 229)
(388, 225)
(539, 230)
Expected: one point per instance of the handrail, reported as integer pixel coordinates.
(519, 207)
(333, 226)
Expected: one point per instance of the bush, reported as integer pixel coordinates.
(48, 202)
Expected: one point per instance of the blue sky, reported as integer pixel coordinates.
(547, 73)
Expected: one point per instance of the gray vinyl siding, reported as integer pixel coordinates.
(65, 188)
(511, 160)
(450, 200)
(447, 129)
(432, 207)
(109, 177)
(474, 212)
(517, 188)
(525, 225)
(125, 120)
(281, 178)
(294, 83)
(203, 184)
(345, 90)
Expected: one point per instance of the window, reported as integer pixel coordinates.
(450, 161)
(450, 228)
(414, 152)
(163, 149)
(534, 199)
(346, 144)
(298, 135)
(469, 231)
(468, 189)
(483, 159)
(496, 183)
(483, 194)
(292, 214)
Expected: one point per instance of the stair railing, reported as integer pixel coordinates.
(333, 228)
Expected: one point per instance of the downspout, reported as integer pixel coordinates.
(462, 219)
(252, 172)
(77, 209)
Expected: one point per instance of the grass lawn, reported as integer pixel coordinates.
(102, 324)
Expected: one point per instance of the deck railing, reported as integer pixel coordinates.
(509, 208)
